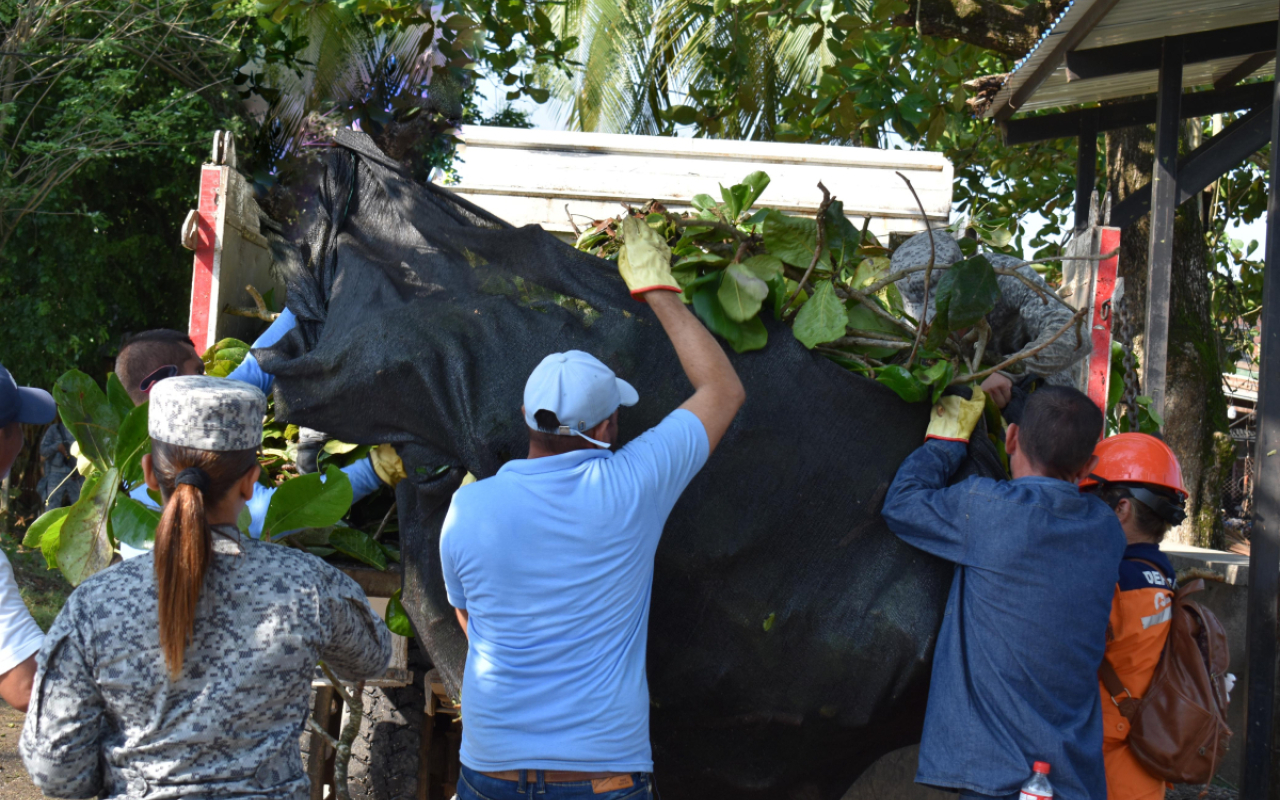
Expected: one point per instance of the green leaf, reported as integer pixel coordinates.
(841, 237)
(769, 622)
(792, 239)
(765, 267)
(359, 545)
(50, 523)
(741, 293)
(733, 198)
(972, 291)
(118, 396)
(682, 115)
(392, 553)
(755, 183)
(966, 293)
(89, 416)
(703, 202)
(133, 523)
(822, 318)
(308, 502)
(861, 318)
(938, 376)
(908, 386)
(335, 447)
(132, 444)
(85, 548)
(741, 336)
(869, 271)
(396, 618)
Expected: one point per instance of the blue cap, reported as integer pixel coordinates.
(579, 389)
(23, 404)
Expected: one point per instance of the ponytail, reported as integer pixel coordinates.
(189, 479)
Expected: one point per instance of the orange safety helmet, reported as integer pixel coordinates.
(1136, 458)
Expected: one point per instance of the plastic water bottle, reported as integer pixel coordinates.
(1037, 786)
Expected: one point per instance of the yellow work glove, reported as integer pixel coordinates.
(387, 464)
(645, 259)
(954, 418)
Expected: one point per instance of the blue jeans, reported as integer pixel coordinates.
(474, 785)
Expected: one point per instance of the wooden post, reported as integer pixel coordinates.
(1164, 204)
(1264, 550)
(1086, 168)
(319, 766)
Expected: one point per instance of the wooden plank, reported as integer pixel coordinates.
(529, 177)
(1097, 10)
(1204, 165)
(375, 582)
(1164, 183)
(322, 711)
(1260, 769)
(1143, 56)
(1141, 111)
(1246, 67)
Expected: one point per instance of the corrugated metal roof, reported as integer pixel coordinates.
(1130, 21)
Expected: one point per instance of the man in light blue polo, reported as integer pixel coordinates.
(549, 563)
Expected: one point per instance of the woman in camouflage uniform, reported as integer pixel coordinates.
(1020, 321)
(186, 672)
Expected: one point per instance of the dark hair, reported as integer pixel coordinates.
(1149, 524)
(184, 546)
(1059, 429)
(144, 353)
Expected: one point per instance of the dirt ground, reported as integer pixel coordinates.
(14, 783)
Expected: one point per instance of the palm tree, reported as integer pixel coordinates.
(646, 65)
(348, 72)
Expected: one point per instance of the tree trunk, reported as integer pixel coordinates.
(1195, 413)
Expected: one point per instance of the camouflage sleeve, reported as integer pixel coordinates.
(359, 645)
(1043, 320)
(61, 739)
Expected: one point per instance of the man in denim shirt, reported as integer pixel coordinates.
(1015, 672)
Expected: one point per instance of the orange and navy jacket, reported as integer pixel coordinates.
(1140, 614)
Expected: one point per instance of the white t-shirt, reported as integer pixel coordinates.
(20, 636)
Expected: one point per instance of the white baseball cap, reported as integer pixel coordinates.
(579, 389)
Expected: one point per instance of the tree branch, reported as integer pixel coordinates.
(818, 250)
(1008, 362)
(711, 223)
(1006, 29)
(928, 271)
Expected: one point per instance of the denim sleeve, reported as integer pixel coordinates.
(922, 510)
(249, 371)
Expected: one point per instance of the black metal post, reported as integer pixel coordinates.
(1264, 544)
(1086, 168)
(1164, 204)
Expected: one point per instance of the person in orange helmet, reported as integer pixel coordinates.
(1139, 477)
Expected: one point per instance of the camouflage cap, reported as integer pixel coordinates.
(207, 413)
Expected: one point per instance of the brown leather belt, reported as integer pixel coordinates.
(600, 781)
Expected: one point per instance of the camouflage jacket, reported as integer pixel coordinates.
(105, 719)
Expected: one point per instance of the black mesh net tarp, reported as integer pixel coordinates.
(422, 316)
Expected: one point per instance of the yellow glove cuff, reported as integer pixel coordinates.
(954, 418)
(387, 464)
